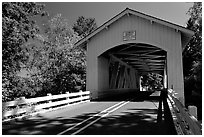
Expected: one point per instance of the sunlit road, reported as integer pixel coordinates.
(125, 115)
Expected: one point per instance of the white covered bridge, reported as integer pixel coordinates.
(130, 45)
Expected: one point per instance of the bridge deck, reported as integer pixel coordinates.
(137, 115)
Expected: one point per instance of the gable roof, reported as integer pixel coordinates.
(185, 33)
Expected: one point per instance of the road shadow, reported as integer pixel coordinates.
(41, 125)
(134, 121)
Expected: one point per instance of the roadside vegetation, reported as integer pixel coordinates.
(41, 59)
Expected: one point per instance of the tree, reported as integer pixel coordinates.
(50, 62)
(17, 27)
(57, 63)
(192, 59)
(66, 65)
(84, 26)
(192, 54)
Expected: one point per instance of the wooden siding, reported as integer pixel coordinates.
(154, 34)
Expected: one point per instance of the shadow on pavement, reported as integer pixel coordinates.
(136, 122)
(41, 125)
(133, 121)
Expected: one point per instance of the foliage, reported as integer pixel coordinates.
(193, 51)
(152, 80)
(192, 60)
(192, 54)
(84, 26)
(17, 28)
(54, 61)
(36, 63)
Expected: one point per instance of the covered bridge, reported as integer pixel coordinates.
(130, 45)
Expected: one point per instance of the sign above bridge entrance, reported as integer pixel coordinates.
(129, 35)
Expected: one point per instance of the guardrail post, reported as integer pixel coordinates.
(49, 94)
(81, 95)
(50, 101)
(19, 101)
(67, 97)
(192, 111)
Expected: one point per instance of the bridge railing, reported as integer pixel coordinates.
(22, 106)
(184, 123)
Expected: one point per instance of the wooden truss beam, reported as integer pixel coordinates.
(120, 61)
(137, 52)
(114, 75)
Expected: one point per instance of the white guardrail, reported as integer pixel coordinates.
(23, 107)
(185, 124)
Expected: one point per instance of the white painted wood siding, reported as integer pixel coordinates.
(154, 34)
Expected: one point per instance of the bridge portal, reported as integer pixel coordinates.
(130, 45)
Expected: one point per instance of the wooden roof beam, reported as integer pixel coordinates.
(137, 52)
(120, 61)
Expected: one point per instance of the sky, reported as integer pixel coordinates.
(174, 12)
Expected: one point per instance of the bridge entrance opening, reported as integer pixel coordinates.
(122, 67)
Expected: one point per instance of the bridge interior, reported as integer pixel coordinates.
(127, 63)
(142, 57)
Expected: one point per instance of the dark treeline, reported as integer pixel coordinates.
(192, 59)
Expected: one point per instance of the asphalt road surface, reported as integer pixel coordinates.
(127, 115)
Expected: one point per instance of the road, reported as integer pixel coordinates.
(130, 115)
